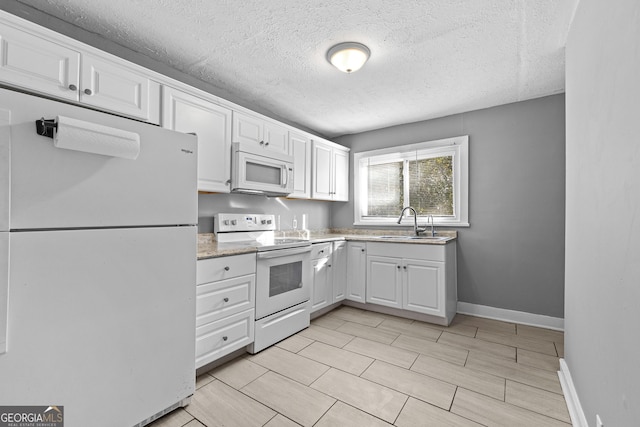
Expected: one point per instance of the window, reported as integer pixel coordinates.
(431, 177)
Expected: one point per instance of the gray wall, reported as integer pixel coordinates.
(318, 213)
(512, 255)
(602, 322)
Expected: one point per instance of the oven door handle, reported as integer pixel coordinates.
(283, 252)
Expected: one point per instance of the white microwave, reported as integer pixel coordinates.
(256, 170)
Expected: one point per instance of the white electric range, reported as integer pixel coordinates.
(283, 275)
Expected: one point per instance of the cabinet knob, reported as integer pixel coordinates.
(224, 338)
(88, 91)
(322, 251)
(226, 268)
(362, 250)
(398, 267)
(405, 267)
(261, 142)
(226, 299)
(266, 143)
(329, 265)
(73, 87)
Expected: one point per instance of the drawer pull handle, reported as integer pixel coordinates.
(73, 87)
(226, 268)
(224, 338)
(88, 91)
(226, 299)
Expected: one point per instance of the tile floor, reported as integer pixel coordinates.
(358, 368)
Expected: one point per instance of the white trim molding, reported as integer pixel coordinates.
(576, 413)
(521, 317)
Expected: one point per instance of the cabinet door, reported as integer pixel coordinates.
(339, 267)
(356, 271)
(37, 64)
(109, 86)
(301, 151)
(321, 291)
(384, 283)
(423, 289)
(340, 175)
(247, 129)
(276, 138)
(322, 172)
(212, 125)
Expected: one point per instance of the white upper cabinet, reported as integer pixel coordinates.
(255, 130)
(340, 175)
(211, 123)
(31, 62)
(45, 62)
(114, 87)
(300, 146)
(330, 171)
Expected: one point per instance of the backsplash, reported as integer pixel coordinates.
(318, 212)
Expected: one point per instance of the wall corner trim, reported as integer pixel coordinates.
(571, 396)
(521, 317)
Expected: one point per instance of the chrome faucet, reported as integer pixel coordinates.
(417, 230)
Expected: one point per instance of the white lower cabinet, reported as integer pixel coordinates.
(321, 287)
(339, 267)
(356, 271)
(225, 306)
(384, 286)
(419, 278)
(329, 264)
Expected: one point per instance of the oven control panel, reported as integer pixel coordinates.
(235, 222)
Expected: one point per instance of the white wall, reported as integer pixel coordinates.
(602, 281)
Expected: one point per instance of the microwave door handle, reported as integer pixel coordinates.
(285, 176)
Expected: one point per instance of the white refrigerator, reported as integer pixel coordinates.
(97, 269)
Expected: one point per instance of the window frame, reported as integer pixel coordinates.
(457, 146)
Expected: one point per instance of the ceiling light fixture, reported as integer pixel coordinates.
(348, 57)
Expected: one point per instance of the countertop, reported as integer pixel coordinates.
(208, 247)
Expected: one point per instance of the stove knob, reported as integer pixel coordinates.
(264, 221)
(269, 221)
(234, 222)
(226, 222)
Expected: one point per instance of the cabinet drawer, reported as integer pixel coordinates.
(320, 250)
(214, 269)
(220, 338)
(216, 300)
(407, 250)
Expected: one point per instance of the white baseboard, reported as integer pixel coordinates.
(521, 317)
(571, 396)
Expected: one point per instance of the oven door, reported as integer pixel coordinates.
(283, 279)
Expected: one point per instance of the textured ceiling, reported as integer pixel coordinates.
(429, 58)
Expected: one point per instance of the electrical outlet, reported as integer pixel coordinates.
(599, 421)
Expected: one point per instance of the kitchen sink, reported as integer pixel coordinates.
(431, 238)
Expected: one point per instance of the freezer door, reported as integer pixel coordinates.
(49, 187)
(101, 322)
